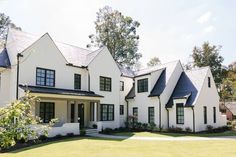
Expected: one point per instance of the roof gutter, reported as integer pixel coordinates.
(193, 118)
(72, 65)
(159, 112)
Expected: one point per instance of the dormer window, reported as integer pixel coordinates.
(143, 85)
(45, 77)
(209, 82)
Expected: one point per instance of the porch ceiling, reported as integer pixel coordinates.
(61, 93)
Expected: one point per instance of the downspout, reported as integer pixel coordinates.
(168, 123)
(193, 119)
(88, 80)
(159, 112)
(17, 74)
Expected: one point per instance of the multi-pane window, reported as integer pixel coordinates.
(209, 82)
(205, 114)
(180, 113)
(142, 85)
(121, 85)
(121, 109)
(151, 116)
(105, 83)
(214, 114)
(77, 81)
(46, 111)
(135, 114)
(45, 77)
(91, 111)
(107, 112)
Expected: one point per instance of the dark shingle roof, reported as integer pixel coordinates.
(159, 85)
(188, 86)
(231, 106)
(4, 59)
(35, 89)
(131, 93)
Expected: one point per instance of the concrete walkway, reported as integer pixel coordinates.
(164, 138)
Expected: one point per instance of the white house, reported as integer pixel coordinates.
(84, 87)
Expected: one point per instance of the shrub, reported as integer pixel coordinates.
(188, 129)
(82, 132)
(70, 134)
(107, 131)
(152, 126)
(175, 129)
(145, 126)
(95, 126)
(42, 137)
(209, 128)
(233, 124)
(58, 136)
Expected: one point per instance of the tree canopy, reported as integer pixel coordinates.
(153, 62)
(208, 55)
(118, 33)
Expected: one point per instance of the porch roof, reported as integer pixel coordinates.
(59, 91)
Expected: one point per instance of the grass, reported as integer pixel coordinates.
(165, 134)
(93, 147)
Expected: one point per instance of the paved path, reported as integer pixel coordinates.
(165, 138)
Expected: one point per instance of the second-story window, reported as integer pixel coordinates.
(77, 81)
(45, 77)
(121, 85)
(209, 82)
(142, 85)
(105, 83)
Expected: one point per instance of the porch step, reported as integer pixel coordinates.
(91, 131)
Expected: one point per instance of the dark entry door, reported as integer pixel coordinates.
(81, 115)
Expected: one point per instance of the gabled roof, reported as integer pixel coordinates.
(231, 106)
(159, 85)
(189, 86)
(73, 54)
(131, 93)
(4, 59)
(37, 89)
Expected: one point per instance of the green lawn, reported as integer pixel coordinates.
(93, 147)
(149, 134)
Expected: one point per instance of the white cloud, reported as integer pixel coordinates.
(205, 17)
(209, 29)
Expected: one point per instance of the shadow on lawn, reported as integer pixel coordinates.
(49, 142)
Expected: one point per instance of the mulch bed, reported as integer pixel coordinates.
(20, 145)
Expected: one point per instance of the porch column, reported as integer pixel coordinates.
(95, 111)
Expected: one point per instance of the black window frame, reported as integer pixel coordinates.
(205, 114)
(43, 114)
(121, 109)
(151, 117)
(45, 77)
(142, 85)
(214, 114)
(122, 85)
(135, 114)
(179, 113)
(77, 81)
(107, 113)
(105, 86)
(209, 82)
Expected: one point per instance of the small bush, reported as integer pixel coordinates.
(233, 124)
(95, 126)
(22, 140)
(70, 134)
(58, 136)
(188, 129)
(175, 129)
(82, 132)
(144, 126)
(43, 137)
(152, 126)
(209, 128)
(107, 131)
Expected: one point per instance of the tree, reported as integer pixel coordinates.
(208, 55)
(118, 33)
(15, 121)
(153, 62)
(5, 23)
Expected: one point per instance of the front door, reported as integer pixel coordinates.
(81, 115)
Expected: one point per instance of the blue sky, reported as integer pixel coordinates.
(169, 28)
